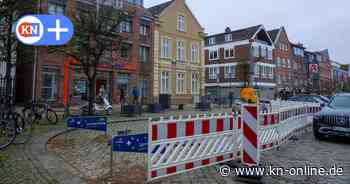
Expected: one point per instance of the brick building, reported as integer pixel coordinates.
(283, 58)
(224, 52)
(130, 67)
(325, 72)
(299, 69)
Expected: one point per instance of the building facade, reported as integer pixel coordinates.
(283, 58)
(313, 72)
(299, 78)
(178, 53)
(129, 67)
(325, 72)
(339, 77)
(224, 55)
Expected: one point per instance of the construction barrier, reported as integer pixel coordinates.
(180, 145)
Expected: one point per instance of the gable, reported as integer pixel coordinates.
(169, 17)
(282, 36)
(262, 35)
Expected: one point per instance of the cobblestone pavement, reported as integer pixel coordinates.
(88, 152)
(18, 164)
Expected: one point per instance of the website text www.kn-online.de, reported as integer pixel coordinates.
(281, 171)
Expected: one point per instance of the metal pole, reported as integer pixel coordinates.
(111, 160)
(36, 58)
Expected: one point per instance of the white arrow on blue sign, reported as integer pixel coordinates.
(131, 143)
(88, 122)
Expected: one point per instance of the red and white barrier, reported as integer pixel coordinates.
(250, 141)
(180, 145)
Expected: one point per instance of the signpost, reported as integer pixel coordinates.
(98, 123)
(130, 143)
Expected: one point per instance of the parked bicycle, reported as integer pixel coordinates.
(37, 110)
(14, 128)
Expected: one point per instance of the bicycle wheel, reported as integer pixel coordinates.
(28, 113)
(7, 133)
(24, 130)
(51, 116)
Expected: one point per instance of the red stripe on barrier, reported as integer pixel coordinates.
(171, 170)
(266, 119)
(153, 174)
(171, 130)
(273, 120)
(220, 125)
(250, 135)
(219, 158)
(252, 110)
(205, 162)
(247, 159)
(154, 132)
(239, 122)
(189, 128)
(205, 126)
(231, 123)
(189, 165)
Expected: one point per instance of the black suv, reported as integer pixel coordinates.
(334, 119)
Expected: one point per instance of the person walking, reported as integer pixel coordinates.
(122, 96)
(136, 94)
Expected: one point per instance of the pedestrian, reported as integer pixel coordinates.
(230, 96)
(122, 96)
(136, 94)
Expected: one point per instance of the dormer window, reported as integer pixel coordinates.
(211, 41)
(228, 37)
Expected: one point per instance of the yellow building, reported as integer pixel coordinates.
(178, 53)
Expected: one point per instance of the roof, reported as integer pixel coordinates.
(273, 34)
(242, 34)
(158, 9)
(299, 45)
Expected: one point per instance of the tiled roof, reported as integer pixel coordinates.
(241, 34)
(273, 34)
(158, 9)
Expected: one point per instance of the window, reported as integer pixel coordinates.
(318, 58)
(181, 23)
(144, 87)
(255, 51)
(269, 54)
(123, 82)
(126, 26)
(195, 83)
(125, 49)
(289, 65)
(50, 83)
(118, 4)
(180, 48)
(213, 54)
(56, 9)
(136, 2)
(180, 83)
(230, 72)
(229, 52)
(278, 61)
(166, 48)
(213, 73)
(228, 37)
(144, 29)
(80, 87)
(165, 83)
(195, 53)
(279, 79)
(144, 54)
(211, 41)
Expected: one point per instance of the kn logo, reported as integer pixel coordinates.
(44, 30)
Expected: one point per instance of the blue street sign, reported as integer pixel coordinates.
(88, 122)
(131, 143)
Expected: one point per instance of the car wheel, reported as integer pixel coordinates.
(318, 135)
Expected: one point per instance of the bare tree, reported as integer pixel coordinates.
(96, 31)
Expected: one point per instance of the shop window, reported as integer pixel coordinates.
(49, 90)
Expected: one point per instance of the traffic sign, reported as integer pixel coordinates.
(98, 123)
(131, 143)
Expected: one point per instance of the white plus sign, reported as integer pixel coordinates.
(58, 30)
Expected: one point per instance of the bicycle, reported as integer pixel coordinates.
(14, 128)
(37, 110)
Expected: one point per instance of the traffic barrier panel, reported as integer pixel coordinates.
(177, 146)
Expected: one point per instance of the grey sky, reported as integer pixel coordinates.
(318, 24)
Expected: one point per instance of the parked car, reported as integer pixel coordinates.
(334, 118)
(308, 98)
